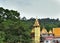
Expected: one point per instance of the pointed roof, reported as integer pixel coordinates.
(44, 31)
(50, 32)
(36, 23)
(33, 30)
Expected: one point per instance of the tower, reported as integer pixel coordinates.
(36, 32)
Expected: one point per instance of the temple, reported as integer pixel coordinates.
(44, 36)
(36, 32)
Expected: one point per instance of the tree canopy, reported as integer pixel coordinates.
(14, 30)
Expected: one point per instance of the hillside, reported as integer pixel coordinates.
(46, 22)
(13, 29)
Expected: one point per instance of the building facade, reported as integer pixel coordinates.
(53, 36)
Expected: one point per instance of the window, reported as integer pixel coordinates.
(47, 41)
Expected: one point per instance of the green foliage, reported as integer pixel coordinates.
(14, 30)
(2, 37)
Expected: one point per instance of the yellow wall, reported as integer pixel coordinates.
(37, 34)
(56, 32)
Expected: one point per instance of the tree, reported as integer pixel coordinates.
(2, 37)
(24, 18)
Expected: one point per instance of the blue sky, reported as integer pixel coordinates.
(33, 8)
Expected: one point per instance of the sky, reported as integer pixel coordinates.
(33, 8)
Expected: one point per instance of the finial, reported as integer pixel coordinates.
(36, 17)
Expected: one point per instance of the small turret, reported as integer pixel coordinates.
(32, 31)
(44, 31)
(50, 32)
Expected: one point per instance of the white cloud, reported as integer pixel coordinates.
(33, 8)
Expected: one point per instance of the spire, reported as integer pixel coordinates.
(50, 32)
(33, 30)
(44, 31)
(36, 23)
